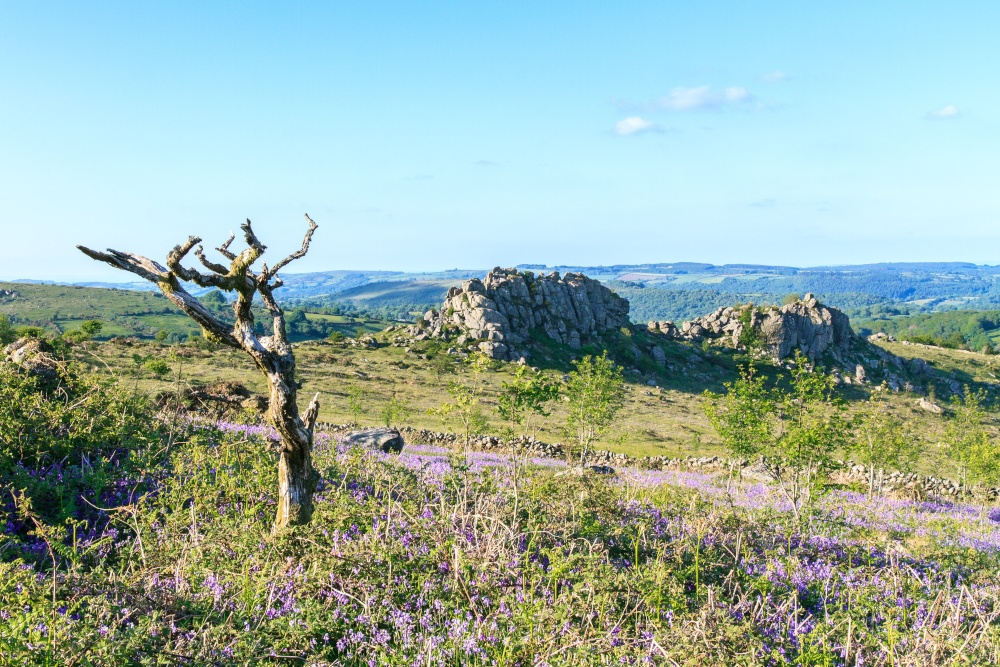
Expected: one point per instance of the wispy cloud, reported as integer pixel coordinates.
(764, 203)
(487, 163)
(418, 177)
(945, 112)
(702, 98)
(635, 125)
(775, 77)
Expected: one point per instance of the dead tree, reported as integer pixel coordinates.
(273, 354)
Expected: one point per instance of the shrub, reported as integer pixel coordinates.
(158, 367)
(7, 333)
(77, 440)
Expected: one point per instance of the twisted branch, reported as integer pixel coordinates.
(268, 274)
(224, 248)
(167, 281)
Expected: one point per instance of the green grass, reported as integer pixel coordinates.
(61, 308)
(667, 419)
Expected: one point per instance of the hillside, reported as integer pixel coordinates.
(125, 312)
(134, 537)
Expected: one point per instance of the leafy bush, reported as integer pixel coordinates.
(68, 448)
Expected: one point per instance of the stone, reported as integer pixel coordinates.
(507, 306)
(33, 355)
(805, 325)
(929, 406)
(388, 440)
(859, 374)
(659, 356)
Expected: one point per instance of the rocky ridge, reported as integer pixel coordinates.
(805, 325)
(501, 313)
(812, 329)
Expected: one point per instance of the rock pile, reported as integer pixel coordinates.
(500, 312)
(805, 325)
(35, 356)
(219, 400)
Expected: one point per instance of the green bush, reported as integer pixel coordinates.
(71, 441)
(158, 367)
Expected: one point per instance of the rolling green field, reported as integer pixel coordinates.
(58, 309)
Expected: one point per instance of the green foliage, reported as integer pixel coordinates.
(956, 329)
(749, 336)
(7, 333)
(357, 402)
(213, 298)
(57, 442)
(881, 441)
(336, 337)
(524, 397)
(161, 335)
(157, 367)
(92, 327)
(790, 298)
(968, 443)
(394, 411)
(465, 408)
(744, 417)
(596, 394)
(797, 430)
(812, 430)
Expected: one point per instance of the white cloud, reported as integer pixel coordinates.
(775, 77)
(947, 111)
(703, 97)
(634, 125)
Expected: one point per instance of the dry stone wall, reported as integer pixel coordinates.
(908, 484)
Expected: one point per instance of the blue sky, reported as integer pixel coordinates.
(441, 135)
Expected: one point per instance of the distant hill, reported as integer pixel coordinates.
(672, 291)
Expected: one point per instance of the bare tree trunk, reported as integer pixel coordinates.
(296, 485)
(297, 479)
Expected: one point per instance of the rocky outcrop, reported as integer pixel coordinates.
(35, 356)
(501, 312)
(805, 325)
(224, 399)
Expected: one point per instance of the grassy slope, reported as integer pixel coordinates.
(60, 308)
(663, 420)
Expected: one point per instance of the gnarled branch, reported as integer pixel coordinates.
(224, 248)
(167, 281)
(199, 252)
(268, 274)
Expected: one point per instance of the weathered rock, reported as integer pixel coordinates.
(33, 355)
(502, 310)
(388, 440)
(223, 399)
(805, 325)
(929, 406)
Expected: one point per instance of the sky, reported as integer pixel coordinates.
(426, 135)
